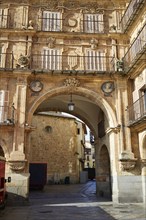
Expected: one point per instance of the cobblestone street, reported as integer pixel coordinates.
(72, 202)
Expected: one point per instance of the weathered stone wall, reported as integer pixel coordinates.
(56, 145)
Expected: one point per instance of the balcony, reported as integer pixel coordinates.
(130, 14)
(6, 61)
(137, 112)
(136, 52)
(61, 25)
(68, 63)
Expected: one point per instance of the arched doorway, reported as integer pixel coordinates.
(88, 107)
(104, 173)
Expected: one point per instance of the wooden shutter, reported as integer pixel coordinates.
(95, 60)
(51, 59)
(51, 21)
(93, 23)
(4, 102)
(3, 18)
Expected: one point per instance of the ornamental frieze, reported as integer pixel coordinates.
(72, 82)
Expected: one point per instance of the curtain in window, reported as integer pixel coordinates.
(51, 21)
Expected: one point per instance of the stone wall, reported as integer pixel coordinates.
(55, 142)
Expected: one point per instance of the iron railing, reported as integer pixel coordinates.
(56, 24)
(6, 61)
(92, 26)
(130, 13)
(136, 50)
(50, 24)
(77, 63)
(138, 110)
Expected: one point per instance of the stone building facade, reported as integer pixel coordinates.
(57, 141)
(94, 51)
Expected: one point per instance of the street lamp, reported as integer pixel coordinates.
(71, 105)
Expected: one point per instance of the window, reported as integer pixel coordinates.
(93, 23)
(95, 60)
(4, 101)
(0, 55)
(51, 59)
(3, 18)
(78, 131)
(51, 21)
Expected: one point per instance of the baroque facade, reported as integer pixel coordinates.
(93, 51)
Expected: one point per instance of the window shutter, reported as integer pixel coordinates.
(4, 102)
(95, 60)
(51, 59)
(93, 23)
(100, 23)
(51, 21)
(3, 17)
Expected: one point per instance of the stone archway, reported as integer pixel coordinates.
(99, 100)
(104, 173)
(96, 97)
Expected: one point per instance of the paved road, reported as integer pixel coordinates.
(72, 202)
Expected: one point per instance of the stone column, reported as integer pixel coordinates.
(126, 156)
(143, 174)
(114, 146)
(17, 161)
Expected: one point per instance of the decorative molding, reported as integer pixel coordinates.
(107, 87)
(128, 165)
(36, 86)
(113, 129)
(23, 62)
(94, 43)
(127, 161)
(17, 165)
(72, 82)
(143, 163)
(51, 42)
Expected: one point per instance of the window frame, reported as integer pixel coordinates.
(51, 21)
(93, 23)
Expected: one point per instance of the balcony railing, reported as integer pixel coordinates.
(6, 61)
(136, 50)
(7, 115)
(60, 25)
(138, 110)
(67, 63)
(130, 13)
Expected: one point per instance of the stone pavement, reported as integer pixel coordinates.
(72, 202)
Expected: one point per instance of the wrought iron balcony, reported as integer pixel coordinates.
(61, 25)
(6, 61)
(71, 63)
(130, 14)
(137, 112)
(136, 51)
